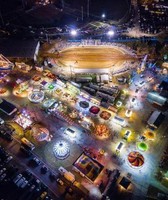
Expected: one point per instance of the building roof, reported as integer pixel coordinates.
(159, 120)
(89, 167)
(13, 48)
(125, 182)
(7, 107)
(156, 118)
(154, 97)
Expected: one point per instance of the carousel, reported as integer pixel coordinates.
(41, 134)
(3, 91)
(135, 159)
(36, 96)
(61, 150)
(84, 104)
(94, 110)
(149, 135)
(102, 131)
(105, 115)
(142, 146)
(21, 90)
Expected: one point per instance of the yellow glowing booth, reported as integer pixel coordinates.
(102, 131)
(149, 135)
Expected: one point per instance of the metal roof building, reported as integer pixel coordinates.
(7, 107)
(154, 97)
(155, 119)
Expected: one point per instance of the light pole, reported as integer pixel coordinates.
(82, 12)
(88, 2)
(1, 18)
(23, 4)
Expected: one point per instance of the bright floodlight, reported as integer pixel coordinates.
(73, 32)
(103, 15)
(110, 33)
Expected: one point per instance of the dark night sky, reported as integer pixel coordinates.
(112, 8)
(12, 11)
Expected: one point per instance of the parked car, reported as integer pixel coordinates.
(32, 188)
(142, 83)
(59, 181)
(23, 185)
(137, 90)
(8, 159)
(43, 195)
(133, 99)
(1, 121)
(2, 176)
(127, 134)
(36, 161)
(128, 113)
(52, 176)
(70, 190)
(2, 171)
(19, 183)
(16, 179)
(44, 169)
(119, 147)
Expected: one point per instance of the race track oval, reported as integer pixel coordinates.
(93, 57)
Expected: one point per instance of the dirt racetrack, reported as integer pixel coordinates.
(93, 57)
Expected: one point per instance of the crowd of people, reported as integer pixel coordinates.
(90, 42)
